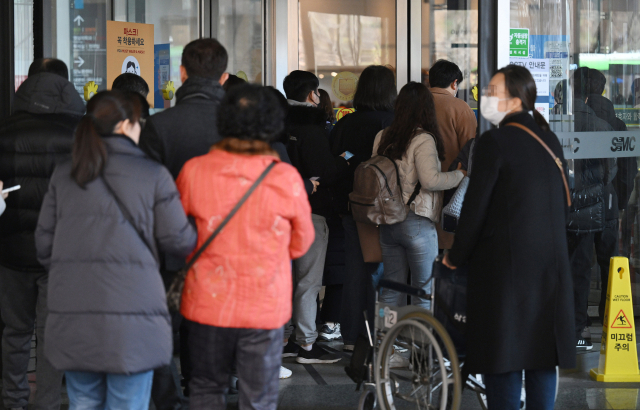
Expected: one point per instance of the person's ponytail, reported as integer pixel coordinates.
(542, 123)
(89, 153)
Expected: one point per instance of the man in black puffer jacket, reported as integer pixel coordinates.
(33, 140)
(588, 211)
(310, 153)
(172, 137)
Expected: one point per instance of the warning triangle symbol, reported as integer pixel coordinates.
(621, 321)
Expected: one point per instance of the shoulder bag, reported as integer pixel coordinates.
(174, 294)
(451, 212)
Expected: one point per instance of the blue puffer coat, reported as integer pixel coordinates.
(107, 304)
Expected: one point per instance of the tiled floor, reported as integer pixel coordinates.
(327, 387)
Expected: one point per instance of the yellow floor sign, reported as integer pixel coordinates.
(618, 353)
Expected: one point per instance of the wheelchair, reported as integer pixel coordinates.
(426, 373)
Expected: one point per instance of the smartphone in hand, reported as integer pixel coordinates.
(10, 189)
(347, 155)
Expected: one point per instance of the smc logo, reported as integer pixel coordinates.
(623, 144)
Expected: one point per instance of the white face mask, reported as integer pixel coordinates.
(489, 109)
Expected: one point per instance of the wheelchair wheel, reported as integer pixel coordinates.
(427, 376)
(367, 400)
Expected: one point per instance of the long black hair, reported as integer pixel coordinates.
(104, 111)
(520, 83)
(414, 109)
(376, 90)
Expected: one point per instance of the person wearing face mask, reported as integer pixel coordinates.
(310, 153)
(456, 120)
(512, 237)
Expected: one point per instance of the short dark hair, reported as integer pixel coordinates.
(250, 112)
(49, 65)
(376, 89)
(298, 84)
(598, 81)
(443, 73)
(232, 81)
(205, 57)
(131, 82)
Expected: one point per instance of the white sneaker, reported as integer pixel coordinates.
(285, 373)
(396, 361)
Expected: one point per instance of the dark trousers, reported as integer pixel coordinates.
(166, 391)
(580, 256)
(257, 355)
(503, 390)
(23, 305)
(332, 304)
(606, 246)
(358, 293)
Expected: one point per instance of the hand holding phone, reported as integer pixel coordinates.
(347, 155)
(11, 189)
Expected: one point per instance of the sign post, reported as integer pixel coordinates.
(130, 50)
(618, 353)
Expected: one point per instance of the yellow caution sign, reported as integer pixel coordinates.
(618, 354)
(90, 89)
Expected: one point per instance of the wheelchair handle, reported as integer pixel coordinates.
(401, 287)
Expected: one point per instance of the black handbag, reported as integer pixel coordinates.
(174, 294)
(451, 301)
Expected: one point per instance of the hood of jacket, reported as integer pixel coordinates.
(47, 93)
(602, 107)
(586, 119)
(305, 115)
(200, 86)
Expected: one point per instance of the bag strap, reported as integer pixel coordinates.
(470, 163)
(226, 220)
(127, 216)
(555, 158)
(415, 193)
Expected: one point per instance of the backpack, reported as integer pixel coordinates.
(377, 193)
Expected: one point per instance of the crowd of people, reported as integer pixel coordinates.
(254, 185)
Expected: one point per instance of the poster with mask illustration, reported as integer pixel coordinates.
(130, 50)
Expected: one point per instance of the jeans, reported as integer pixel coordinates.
(307, 282)
(503, 390)
(23, 305)
(580, 256)
(256, 354)
(606, 246)
(358, 290)
(108, 391)
(408, 246)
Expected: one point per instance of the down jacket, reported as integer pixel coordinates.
(421, 163)
(33, 140)
(107, 304)
(592, 176)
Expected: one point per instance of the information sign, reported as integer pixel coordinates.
(89, 47)
(519, 42)
(162, 66)
(130, 50)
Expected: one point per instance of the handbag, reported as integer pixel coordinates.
(369, 236)
(450, 293)
(451, 212)
(174, 294)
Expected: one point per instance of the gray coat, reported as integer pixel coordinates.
(107, 304)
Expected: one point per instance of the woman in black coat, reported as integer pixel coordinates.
(374, 100)
(105, 218)
(512, 235)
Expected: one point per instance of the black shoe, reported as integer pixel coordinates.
(584, 344)
(316, 355)
(291, 349)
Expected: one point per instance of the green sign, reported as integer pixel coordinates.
(519, 44)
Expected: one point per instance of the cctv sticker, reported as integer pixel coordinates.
(390, 317)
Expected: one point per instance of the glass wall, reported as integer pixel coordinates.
(338, 39)
(237, 24)
(450, 32)
(23, 32)
(585, 56)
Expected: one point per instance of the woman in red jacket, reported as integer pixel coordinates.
(237, 296)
